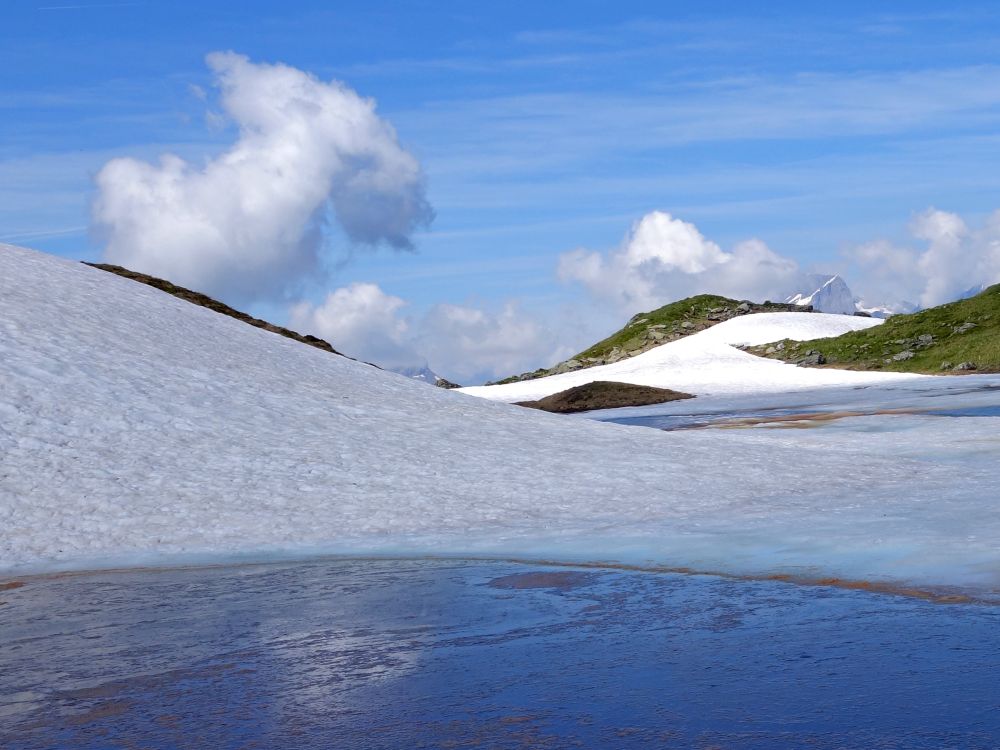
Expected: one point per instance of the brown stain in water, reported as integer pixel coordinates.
(11, 585)
(938, 595)
(796, 421)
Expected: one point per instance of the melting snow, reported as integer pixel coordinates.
(707, 363)
(137, 428)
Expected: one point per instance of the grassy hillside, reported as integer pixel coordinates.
(693, 311)
(660, 326)
(960, 336)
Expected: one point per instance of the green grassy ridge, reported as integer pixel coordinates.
(674, 320)
(692, 309)
(965, 331)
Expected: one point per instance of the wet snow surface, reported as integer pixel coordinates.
(137, 428)
(411, 654)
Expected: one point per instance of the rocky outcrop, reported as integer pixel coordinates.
(604, 394)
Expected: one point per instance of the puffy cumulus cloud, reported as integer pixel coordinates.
(459, 342)
(473, 345)
(951, 259)
(362, 321)
(949, 264)
(663, 258)
(886, 273)
(250, 222)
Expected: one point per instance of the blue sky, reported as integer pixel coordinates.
(540, 128)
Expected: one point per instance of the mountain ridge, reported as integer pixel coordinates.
(647, 330)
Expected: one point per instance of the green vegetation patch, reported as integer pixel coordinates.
(648, 330)
(693, 310)
(962, 336)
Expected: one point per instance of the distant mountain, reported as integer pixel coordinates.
(425, 374)
(885, 309)
(972, 291)
(828, 294)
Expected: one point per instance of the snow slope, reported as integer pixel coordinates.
(707, 363)
(138, 428)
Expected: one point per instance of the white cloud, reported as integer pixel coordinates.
(460, 342)
(362, 321)
(948, 263)
(472, 344)
(250, 222)
(953, 259)
(886, 273)
(663, 259)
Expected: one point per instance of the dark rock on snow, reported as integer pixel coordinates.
(604, 394)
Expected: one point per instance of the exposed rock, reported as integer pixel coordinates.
(568, 366)
(604, 394)
(811, 358)
(965, 366)
(946, 365)
(964, 327)
(902, 356)
(743, 308)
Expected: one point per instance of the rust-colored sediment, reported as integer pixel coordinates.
(803, 419)
(543, 579)
(10, 585)
(936, 595)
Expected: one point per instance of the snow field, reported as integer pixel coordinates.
(138, 428)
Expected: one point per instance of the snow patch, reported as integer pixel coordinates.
(708, 363)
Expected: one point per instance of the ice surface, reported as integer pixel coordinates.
(138, 428)
(707, 363)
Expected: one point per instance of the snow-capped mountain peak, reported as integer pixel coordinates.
(418, 372)
(424, 374)
(828, 294)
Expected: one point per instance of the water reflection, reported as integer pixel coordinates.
(973, 396)
(390, 654)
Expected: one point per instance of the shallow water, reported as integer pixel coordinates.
(967, 396)
(408, 654)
